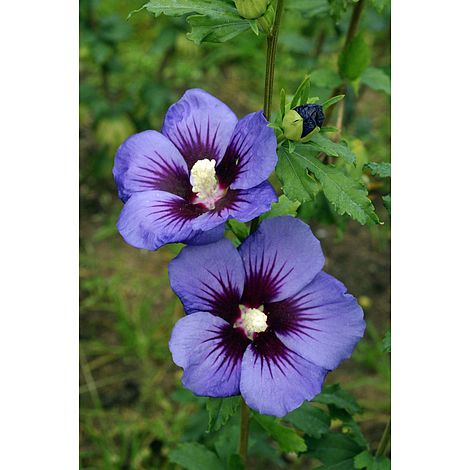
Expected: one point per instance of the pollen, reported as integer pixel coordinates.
(253, 320)
(204, 183)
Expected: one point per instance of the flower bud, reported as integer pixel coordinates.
(251, 9)
(302, 122)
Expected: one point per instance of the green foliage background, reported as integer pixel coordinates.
(133, 410)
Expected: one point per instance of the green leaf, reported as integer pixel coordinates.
(325, 78)
(193, 456)
(212, 20)
(388, 203)
(376, 79)
(335, 395)
(302, 90)
(323, 144)
(354, 59)
(283, 102)
(297, 184)
(287, 438)
(363, 460)
(214, 8)
(220, 411)
(344, 193)
(326, 129)
(387, 342)
(235, 462)
(291, 145)
(335, 448)
(347, 464)
(366, 461)
(339, 7)
(379, 5)
(308, 8)
(379, 169)
(254, 26)
(227, 440)
(353, 430)
(310, 420)
(284, 207)
(331, 101)
(240, 229)
(218, 29)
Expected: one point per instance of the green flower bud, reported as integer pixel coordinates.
(293, 125)
(302, 122)
(251, 9)
(266, 21)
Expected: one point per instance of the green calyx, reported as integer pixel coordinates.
(265, 22)
(293, 125)
(251, 9)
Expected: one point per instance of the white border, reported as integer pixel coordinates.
(39, 235)
(430, 280)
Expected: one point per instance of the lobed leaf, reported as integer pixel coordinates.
(335, 395)
(240, 229)
(193, 456)
(376, 79)
(220, 411)
(379, 169)
(323, 144)
(287, 438)
(336, 449)
(366, 461)
(388, 203)
(214, 8)
(296, 182)
(218, 29)
(283, 207)
(344, 193)
(312, 421)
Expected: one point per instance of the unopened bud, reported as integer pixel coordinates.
(251, 9)
(302, 122)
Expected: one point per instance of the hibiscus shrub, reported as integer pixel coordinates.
(264, 323)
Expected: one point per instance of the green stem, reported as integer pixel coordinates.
(354, 22)
(271, 49)
(244, 426)
(385, 439)
(272, 39)
(352, 30)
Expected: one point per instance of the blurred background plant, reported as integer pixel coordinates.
(133, 409)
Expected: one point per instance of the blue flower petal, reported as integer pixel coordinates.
(280, 258)
(200, 126)
(149, 161)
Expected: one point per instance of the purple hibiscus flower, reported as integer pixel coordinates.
(264, 320)
(205, 167)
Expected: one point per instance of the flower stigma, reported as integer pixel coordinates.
(252, 320)
(204, 183)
